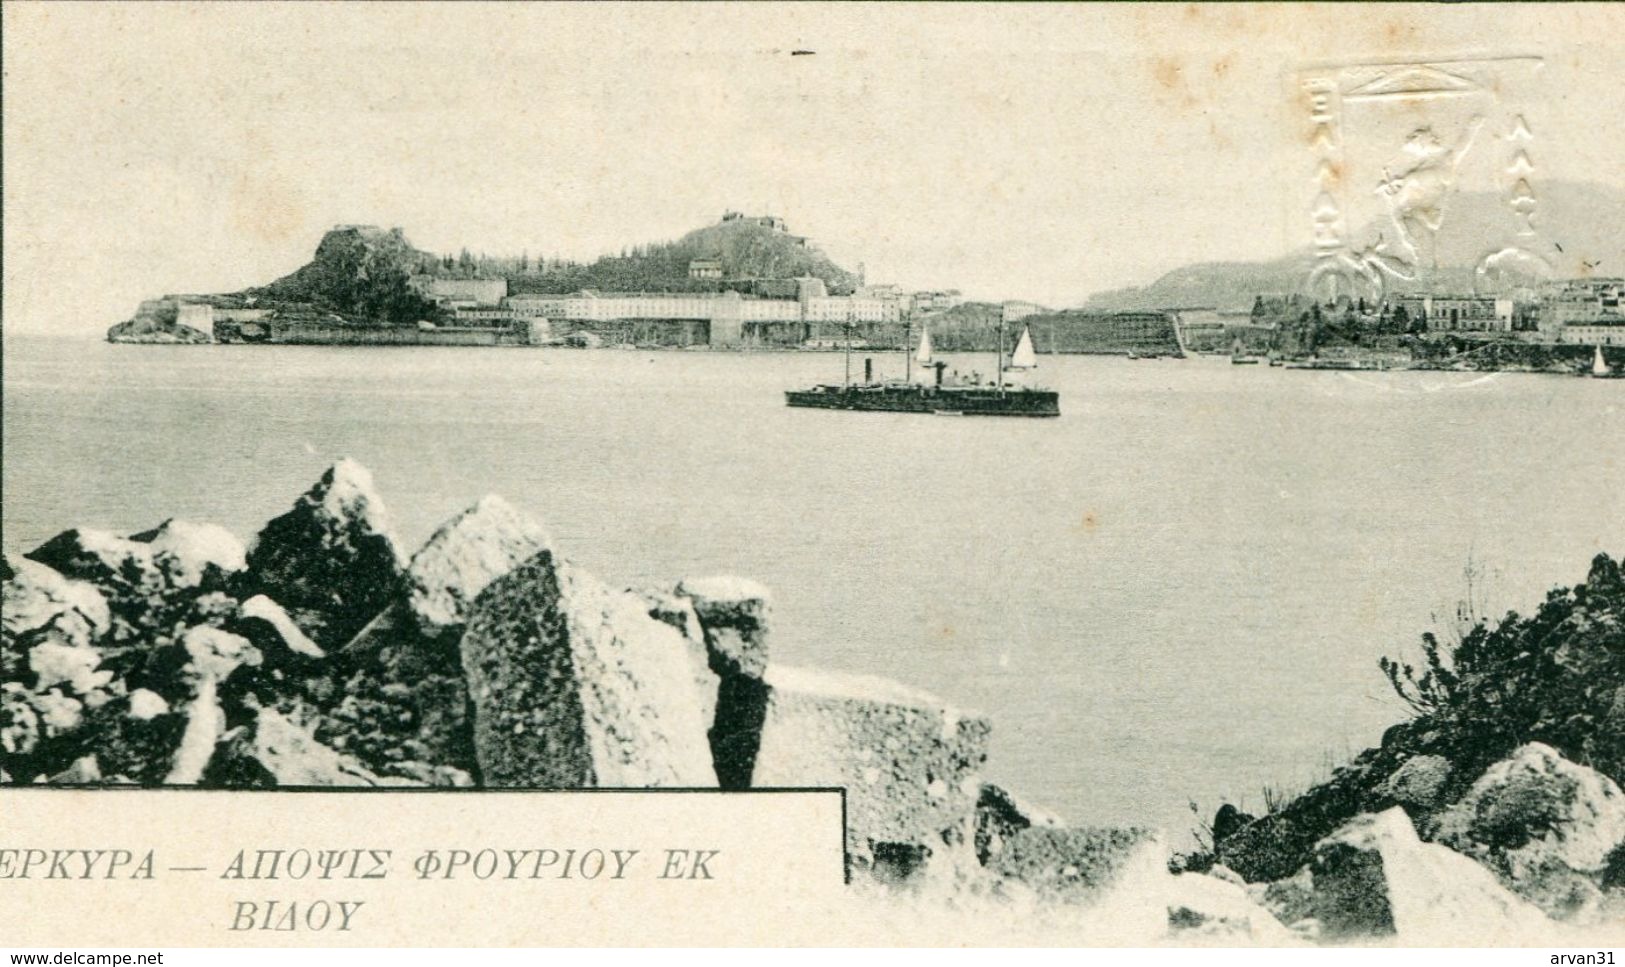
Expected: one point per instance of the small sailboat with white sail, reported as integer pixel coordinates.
(1024, 358)
(1600, 368)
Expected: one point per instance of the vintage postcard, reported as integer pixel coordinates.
(520, 475)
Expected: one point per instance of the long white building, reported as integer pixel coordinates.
(589, 306)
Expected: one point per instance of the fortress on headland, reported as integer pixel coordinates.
(742, 283)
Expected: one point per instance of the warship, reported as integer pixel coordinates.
(950, 395)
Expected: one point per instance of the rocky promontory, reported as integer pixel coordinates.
(157, 321)
(320, 653)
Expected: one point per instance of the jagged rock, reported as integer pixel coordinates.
(76, 666)
(732, 616)
(104, 559)
(1373, 877)
(733, 613)
(145, 705)
(19, 724)
(333, 556)
(999, 816)
(678, 612)
(463, 557)
(401, 706)
(1204, 908)
(205, 722)
(151, 581)
(575, 685)
(137, 738)
(1545, 825)
(908, 762)
(84, 771)
(402, 703)
(1292, 900)
(193, 555)
(1421, 782)
(1278, 844)
(58, 714)
(1221, 872)
(37, 598)
(271, 630)
(215, 654)
(275, 752)
(156, 321)
(1083, 864)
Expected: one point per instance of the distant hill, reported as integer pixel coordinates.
(748, 248)
(1584, 219)
(363, 271)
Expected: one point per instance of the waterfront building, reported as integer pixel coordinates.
(1579, 303)
(1460, 313)
(1015, 311)
(198, 315)
(488, 292)
(937, 300)
(1597, 332)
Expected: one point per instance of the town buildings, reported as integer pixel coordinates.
(1017, 311)
(484, 292)
(705, 268)
(1460, 313)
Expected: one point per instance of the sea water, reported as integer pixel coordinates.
(1175, 593)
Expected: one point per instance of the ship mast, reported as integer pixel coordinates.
(848, 327)
(908, 354)
(1001, 353)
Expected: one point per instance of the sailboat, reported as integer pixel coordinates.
(941, 396)
(1024, 357)
(1600, 367)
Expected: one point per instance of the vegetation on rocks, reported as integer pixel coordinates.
(1514, 757)
(1556, 677)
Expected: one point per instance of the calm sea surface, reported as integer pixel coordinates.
(1177, 591)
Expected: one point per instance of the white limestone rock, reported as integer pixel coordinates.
(1545, 825)
(908, 761)
(75, 666)
(215, 654)
(37, 597)
(464, 556)
(1207, 909)
(574, 685)
(1373, 878)
(283, 630)
(278, 753)
(191, 555)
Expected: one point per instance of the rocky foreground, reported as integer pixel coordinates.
(322, 655)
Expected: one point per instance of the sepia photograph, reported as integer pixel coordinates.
(807, 475)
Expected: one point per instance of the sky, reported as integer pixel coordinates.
(1011, 151)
